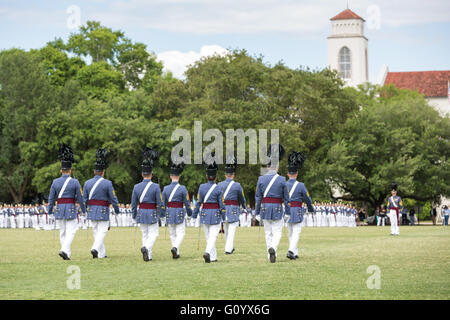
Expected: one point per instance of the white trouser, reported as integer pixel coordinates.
(211, 234)
(294, 230)
(35, 221)
(67, 230)
(394, 222)
(381, 221)
(20, 221)
(12, 221)
(149, 234)
(230, 230)
(42, 221)
(26, 220)
(272, 230)
(177, 232)
(2, 219)
(99, 229)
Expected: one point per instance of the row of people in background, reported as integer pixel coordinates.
(37, 217)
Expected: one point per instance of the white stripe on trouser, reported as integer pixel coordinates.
(394, 222)
(99, 229)
(67, 230)
(230, 230)
(177, 232)
(211, 234)
(149, 234)
(294, 230)
(272, 230)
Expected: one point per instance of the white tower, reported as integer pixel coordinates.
(347, 48)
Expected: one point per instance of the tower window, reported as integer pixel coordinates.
(345, 67)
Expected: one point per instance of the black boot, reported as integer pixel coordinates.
(207, 257)
(272, 257)
(145, 254)
(64, 255)
(94, 254)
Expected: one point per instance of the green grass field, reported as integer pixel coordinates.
(332, 265)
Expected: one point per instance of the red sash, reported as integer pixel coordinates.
(175, 204)
(66, 200)
(214, 205)
(101, 203)
(296, 203)
(271, 200)
(231, 202)
(144, 205)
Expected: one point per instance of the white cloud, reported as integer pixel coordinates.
(177, 62)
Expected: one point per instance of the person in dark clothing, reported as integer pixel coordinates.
(411, 216)
(433, 214)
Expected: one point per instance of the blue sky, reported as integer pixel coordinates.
(406, 35)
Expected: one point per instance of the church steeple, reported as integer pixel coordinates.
(347, 47)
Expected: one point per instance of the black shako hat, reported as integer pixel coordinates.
(393, 186)
(149, 157)
(295, 161)
(230, 165)
(211, 165)
(272, 157)
(100, 159)
(65, 155)
(176, 169)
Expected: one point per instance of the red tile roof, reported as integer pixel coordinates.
(346, 14)
(429, 83)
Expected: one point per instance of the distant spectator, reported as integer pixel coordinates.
(405, 217)
(433, 214)
(446, 212)
(411, 216)
(381, 212)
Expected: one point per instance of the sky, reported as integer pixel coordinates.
(405, 35)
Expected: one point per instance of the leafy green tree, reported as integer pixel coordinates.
(396, 136)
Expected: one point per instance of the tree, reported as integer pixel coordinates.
(25, 93)
(396, 136)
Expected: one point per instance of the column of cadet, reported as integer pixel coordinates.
(220, 206)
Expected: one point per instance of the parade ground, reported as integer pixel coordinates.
(334, 263)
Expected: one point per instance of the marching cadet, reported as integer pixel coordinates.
(297, 195)
(177, 204)
(212, 211)
(147, 195)
(98, 194)
(394, 205)
(233, 197)
(65, 190)
(271, 192)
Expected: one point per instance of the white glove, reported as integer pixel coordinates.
(286, 218)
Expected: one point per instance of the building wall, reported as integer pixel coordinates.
(442, 104)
